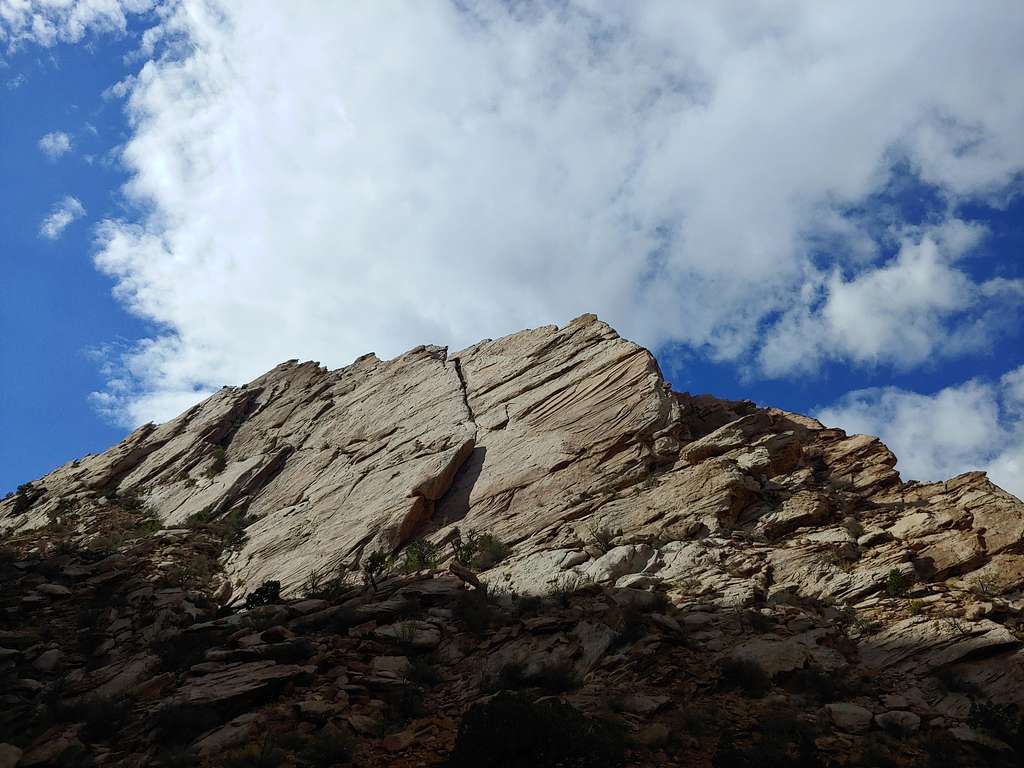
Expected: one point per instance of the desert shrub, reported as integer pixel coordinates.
(955, 625)
(527, 605)
(556, 677)
(24, 497)
(875, 755)
(897, 583)
(782, 741)
(943, 751)
(490, 551)
(234, 524)
(148, 523)
(510, 676)
(420, 554)
(404, 703)
(194, 572)
(130, 500)
(474, 611)
(422, 671)
(849, 621)
(479, 551)
(602, 536)
(102, 717)
(315, 584)
(203, 517)
(568, 585)
(230, 527)
(268, 593)
(1001, 720)
(218, 464)
(374, 566)
(853, 527)
(816, 682)
(180, 651)
(745, 675)
(177, 724)
(757, 621)
(699, 720)
(954, 682)
(106, 543)
(510, 731)
(634, 627)
(264, 754)
(177, 757)
(916, 607)
(986, 585)
(327, 748)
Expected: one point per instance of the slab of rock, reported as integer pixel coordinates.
(47, 661)
(416, 634)
(777, 655)
(848, 717)
(239, 682)
(9, 755)
(898, 721)
(53, 590)
(242, 730)
(397, 742)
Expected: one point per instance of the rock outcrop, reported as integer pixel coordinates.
(749, 537)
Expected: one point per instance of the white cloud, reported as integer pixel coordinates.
(63, 213)
(55, 145)
(975, 425)
(320, 180)
(919, 307)
(48, 22)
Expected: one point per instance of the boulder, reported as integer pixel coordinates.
(849, 717)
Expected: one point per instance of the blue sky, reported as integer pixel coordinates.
(814, 208)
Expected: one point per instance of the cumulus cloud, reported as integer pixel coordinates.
(921, 306)
(48, 22)
(976, 424)
(452, 171)
(55, 144)
(63, 213)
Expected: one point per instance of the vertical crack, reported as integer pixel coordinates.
(465, 390)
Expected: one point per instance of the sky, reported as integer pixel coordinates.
(812, 205)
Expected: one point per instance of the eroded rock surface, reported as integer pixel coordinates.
(770, 537)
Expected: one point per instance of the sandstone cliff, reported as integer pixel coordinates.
(567, 446)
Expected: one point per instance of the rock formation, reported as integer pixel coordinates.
(654, 546)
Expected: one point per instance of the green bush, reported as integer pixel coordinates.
(745, 675)
(265, 754)
(101, 717)
(326, 749)
(897, 583)
(374, 567)
(420, 554)
(422, 671)
(177, 757)
(602, 536)
(219, 463)
(268, 593)
(510, 731)
(1001, 720)
(479, 551)
(473, 610)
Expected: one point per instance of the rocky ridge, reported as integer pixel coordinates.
(641, 533)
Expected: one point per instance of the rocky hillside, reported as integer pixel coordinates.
(426, 560)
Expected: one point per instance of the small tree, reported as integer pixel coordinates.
(897, 583)
(374, 566)
(268, 593)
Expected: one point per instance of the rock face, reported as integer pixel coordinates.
(567, 447)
